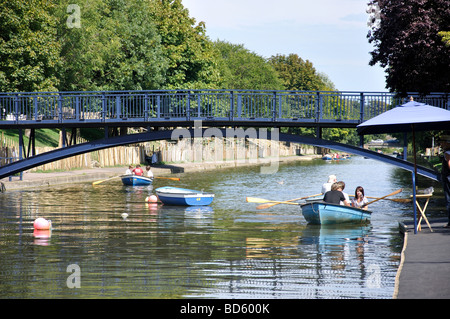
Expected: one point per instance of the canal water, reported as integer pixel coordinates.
(227, 250)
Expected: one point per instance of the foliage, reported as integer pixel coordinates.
(445, 37)
(242, 69)
(407, 43)
(298, 74)
(29, 50)
(189, 52)
(117, 47)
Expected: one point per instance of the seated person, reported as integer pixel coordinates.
(342, 185)
(138, 170)
(360, 201)
(327, 186)
(335, 196)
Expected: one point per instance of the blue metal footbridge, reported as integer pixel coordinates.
(159, 112)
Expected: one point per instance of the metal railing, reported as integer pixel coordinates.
(305, 106)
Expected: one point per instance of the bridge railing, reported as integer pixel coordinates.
(305, 106)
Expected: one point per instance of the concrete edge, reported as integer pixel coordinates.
(404, 230)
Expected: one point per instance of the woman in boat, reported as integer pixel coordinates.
(360, 201)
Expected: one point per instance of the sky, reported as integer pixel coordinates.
(332, 34)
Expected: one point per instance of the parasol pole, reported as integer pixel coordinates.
(414, 177)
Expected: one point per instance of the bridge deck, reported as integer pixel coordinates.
(181, 108)
(169, 108)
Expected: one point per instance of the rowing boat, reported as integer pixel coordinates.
(136, 180)
(321, 213)
(183, 197)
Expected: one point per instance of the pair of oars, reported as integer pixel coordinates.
(271, 203)
(397, 200)
(108, 179)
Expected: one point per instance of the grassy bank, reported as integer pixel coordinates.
(48, 137)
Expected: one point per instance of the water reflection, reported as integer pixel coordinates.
(226, 250)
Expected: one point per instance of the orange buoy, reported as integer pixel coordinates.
(42, 224)
(151, 199)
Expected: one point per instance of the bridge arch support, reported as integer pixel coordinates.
(274, 135)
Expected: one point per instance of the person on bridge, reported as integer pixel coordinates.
(335, 195)
(445, 172)
(138, 170)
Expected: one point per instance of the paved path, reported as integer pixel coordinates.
(424, 272)
(33, 180)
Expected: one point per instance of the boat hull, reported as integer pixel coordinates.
(135, 180)
(321, 213)
(183, 197)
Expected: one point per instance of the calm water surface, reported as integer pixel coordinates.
(226, 250)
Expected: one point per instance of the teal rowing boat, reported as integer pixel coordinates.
(321, 213)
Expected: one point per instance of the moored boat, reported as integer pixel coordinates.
(321, 213)
(183, 197)
(136, 180)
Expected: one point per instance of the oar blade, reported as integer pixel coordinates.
(104, 180)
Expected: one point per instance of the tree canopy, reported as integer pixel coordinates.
(298, 74)
(29, 49)
(99, 45)
(242, 69)
(408, 44)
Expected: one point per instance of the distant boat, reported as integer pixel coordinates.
(321, 213)
(136, 180)
(183, 197)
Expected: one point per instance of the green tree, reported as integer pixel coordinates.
(189, 52)
(407, 43)
(298, 74)
(29, 50)
(242, 69)
(445, 37)
(116, 47)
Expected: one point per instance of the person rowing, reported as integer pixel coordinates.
(335, 195)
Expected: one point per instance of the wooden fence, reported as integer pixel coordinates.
(182, 151)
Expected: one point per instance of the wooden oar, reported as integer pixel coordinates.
(98, 182)
(398, 200)
(391, 194)
(171, 178)
(262, 200)
(268, 205)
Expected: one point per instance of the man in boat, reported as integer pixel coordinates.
(149, 171)
(335, 195)
(445, 172)
(138, 170)
(327, 186)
